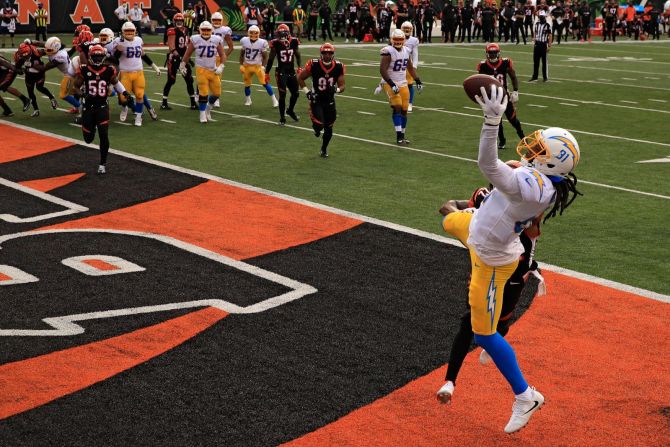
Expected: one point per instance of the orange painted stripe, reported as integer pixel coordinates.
(27, 384)
(48, 184)
(18, 143)
(597, 354)
(225, 219)
(4, 277)
(100, 265)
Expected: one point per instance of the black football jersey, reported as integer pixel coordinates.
(32, 63)
(97, 82)
(324, 79)
(285, 51)
(181, 39)
(498, 70)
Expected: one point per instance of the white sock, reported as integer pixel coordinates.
(526, 395)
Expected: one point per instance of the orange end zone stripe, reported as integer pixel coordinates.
(48, 184)
(597, 354)
(233, 221)
(29, 383)
(4, 277)
(18, 143)
(100, 265)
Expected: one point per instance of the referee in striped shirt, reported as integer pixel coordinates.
(542, 46)
(41, 18)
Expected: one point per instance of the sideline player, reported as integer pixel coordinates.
(546, 182)
(500, 68)
(95, 80)
(29, 59)
(395, 63)
(129, 50)
(206, 47)
(226, 35)
(286, 48)
(7, 75)
(327, 79)
(253, 58)
(511, 294)
(412, 43)
(178, 39)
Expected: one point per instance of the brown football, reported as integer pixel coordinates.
(473, 84)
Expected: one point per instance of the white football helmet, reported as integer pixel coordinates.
(52, 45)
(128, 30)
(398, 39)
(254, 33)
(106, 35)
(407, 28)
(217, 19)
(205, 29)
(553, 151)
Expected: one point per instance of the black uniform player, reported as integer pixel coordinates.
(351, 12)
(327, 79)
(95, 80)
(8, 73)
(177, 43)
(286, 49)
(28, 59)
(499, 68)
(84, 44)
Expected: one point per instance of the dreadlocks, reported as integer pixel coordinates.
(563, 199)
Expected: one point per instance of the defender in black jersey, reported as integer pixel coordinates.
(95, 80)
(327, 79)
(286, 49)
(178, 39)
(28, 59)
(500, 68)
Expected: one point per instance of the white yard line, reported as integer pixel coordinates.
(608, 283)
(629, 79)
(469, 108)
(167, 121)
(366, 113)
(537, 105)
(569, 104)
(122, 123)
(657, 100)
(628, 102)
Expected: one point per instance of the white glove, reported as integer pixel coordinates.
(395, 89)
(219, 69)
(347, 21)
(493, 105)
(378, 90)
(182, 69)
(28, 41)
(156, 69)
(514, 97)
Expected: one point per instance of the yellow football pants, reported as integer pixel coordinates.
(66, 87)
(208, 81)
(487, 283)
(400, 99)
(133, 81)
(248, 71)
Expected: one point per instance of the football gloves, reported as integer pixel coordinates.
(130, 102)
(514, 97)
(219, 69)
(156, 69)
(493, 105)
(419, 85)
(311, 96)
(182, 69)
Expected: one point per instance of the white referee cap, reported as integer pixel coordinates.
(542, 13)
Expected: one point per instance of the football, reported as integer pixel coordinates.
(473, 84)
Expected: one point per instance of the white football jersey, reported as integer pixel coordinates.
(131, 54)
(205, 51)
(397, 70)
(62, 61)
(253, 51)
(495, 226)
(112, 44)
(413, 44)
(222, 32)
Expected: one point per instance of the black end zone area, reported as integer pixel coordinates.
(387, 308)
(127, 182)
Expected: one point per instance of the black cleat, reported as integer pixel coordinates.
(532, 80)
(26, 105)
(324, 153)
(317, 133)
(165, 106)
(8, 113)
(501, 145)
(54, 103)
(292, 114)
(282, 121)
(403, 142)
(194, 106)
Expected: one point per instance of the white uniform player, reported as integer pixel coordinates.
(226, 35)
(253, 58)
(62, 62)
(412, 43)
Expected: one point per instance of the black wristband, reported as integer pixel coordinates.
(391, 83)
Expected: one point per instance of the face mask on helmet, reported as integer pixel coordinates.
(97, 56)
(106, 35)
(52, 45)
(407, 28)
(128, 30)
(254, 33)
(205, 31)
(217, 19)
(554, 151)
(398, 40)
(327, 53)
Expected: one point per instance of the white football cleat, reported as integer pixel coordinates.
(445, 393)
(138, 119)
(409, 108)
(152, 113)
(101, 169)
(247, 100)
(275, 103)
(484, 357)
(208, 112)
(522, 410)
(124, 114)
(203, 116)
(217, 104)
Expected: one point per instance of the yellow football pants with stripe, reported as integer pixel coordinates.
(248, 72)
(400, 99)
(208, 82)
(133, 81)
(66, 87)
(487, 283)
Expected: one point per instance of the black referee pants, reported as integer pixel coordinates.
(540, 53)
(41, 31)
